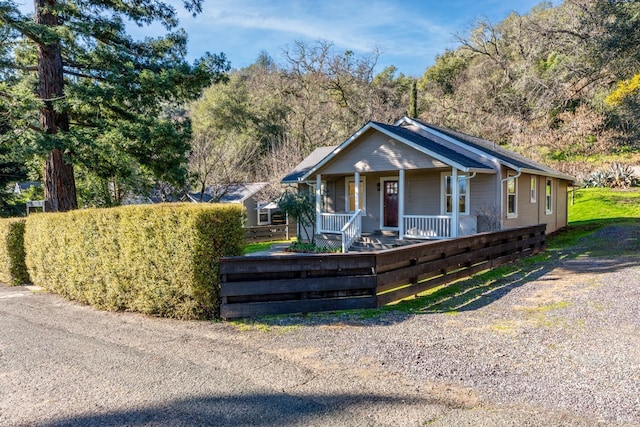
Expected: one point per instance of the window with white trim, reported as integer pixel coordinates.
(512, 196)
(534, 190)
(264, 216)
(446, 205)
(548, 197)
(350, 192)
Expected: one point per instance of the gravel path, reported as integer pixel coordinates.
(554, 344)
(562, 339)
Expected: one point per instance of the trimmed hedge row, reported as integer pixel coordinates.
(160, 260)
(13, 270)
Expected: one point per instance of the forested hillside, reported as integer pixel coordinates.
(559, 84)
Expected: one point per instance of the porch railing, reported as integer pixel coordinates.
(437, 226)
(351, 230)
(333, 222)
(427, 226)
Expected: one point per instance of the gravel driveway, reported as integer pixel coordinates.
(555, 344)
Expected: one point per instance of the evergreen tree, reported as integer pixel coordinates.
(80, 91)
(413, 100)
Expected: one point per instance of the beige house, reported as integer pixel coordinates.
(409, 176)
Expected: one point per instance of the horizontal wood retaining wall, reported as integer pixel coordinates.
(268, 233)
(301, 283)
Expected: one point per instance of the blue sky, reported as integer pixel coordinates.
(410, 33)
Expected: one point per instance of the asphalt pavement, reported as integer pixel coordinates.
(63, 364)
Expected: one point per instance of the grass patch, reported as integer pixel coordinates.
(245, 325)
(262, 246)
(593, 209)
(604, 205)
(311, 248)
(558, 305)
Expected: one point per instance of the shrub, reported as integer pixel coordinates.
(300, 206)
(13, 270)
(160, 260)
(617, 176)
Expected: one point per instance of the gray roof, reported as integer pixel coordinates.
(233, 193)
(456, 149)
(238, 193)
(495, 150)
(307, 164)
(438, 146)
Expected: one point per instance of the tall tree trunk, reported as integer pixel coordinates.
(59, 181)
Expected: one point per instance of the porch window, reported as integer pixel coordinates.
(351, 194)
(463, 195)
(548, 197)
(534, 195)
(512, 196)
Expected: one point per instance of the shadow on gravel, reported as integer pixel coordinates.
(606, 250)
(245, 410)
(478, 291)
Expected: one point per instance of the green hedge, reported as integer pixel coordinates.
(13, 270)
(160, 260)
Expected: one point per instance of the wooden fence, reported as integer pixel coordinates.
(300, 283)
(268, 233)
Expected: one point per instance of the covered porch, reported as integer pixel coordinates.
(415, 204)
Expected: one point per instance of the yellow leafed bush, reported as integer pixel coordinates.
(13, 270)
(624, 89)
(161, 260)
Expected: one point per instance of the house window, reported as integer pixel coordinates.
(548, 197)
(534, 195)
(351, 194)
(512, 196)
(263, 216)
(447, 193)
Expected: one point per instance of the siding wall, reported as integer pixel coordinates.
(535, 213)
(376, 152)
(422, 193)
(562, 204)
(484, 202)
(252, 213)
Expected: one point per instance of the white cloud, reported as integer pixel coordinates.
(408, 31)
(356, 25)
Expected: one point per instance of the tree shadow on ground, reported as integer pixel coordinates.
(243, 410)
(604, 247)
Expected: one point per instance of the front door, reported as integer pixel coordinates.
(390, 203)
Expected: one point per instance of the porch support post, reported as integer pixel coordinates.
(455, 202)
(356, 184)
(401, 204)
(318, 203)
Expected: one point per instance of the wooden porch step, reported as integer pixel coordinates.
(385, 233)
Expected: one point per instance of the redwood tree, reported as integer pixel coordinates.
(99, 99)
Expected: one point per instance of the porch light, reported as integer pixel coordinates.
(378, 186)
